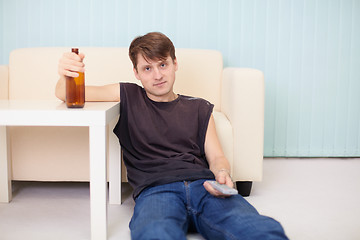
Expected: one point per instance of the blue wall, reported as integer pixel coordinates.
(309, 51)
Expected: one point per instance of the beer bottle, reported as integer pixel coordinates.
(75, 89)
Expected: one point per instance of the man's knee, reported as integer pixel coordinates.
(253, 226)
(158, 229)
(267, 228)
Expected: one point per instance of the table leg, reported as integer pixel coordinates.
(98, 182)
(5, 166)
(114, 166)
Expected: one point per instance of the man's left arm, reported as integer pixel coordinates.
(218, 163)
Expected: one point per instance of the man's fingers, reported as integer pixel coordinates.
(224, 178)
(213, 191)
(221, 179)
(68, 73)
(74, 67)
(70, 64)
(82, 56)
(69, 70)
(76, 57)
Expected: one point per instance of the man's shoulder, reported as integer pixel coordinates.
(129, 85)
(193, 100)
(130, 91)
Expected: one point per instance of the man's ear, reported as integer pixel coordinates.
(176, 64)
(136, 73)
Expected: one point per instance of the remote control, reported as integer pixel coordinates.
(224, 189)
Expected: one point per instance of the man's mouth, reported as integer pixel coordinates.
(159, 84)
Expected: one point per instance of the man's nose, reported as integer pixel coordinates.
(157, 74)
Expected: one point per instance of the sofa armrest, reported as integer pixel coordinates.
(4, 81)
(242, 102)
(224, 131)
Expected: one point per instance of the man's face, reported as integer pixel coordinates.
(157, 77)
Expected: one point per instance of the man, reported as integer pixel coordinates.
(170, 149)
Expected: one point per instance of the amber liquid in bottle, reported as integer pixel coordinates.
(75, 89)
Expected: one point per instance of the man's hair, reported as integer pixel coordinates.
(152, 46)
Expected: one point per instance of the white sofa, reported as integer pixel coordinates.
(62, 154)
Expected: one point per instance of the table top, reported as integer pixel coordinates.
(55, 113)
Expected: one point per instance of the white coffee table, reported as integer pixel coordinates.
(96, 116)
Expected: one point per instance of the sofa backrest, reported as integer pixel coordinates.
(33, 71)
(4, 82)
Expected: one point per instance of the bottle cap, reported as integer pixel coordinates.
(75, 50)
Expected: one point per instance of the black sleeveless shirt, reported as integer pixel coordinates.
(162, 142)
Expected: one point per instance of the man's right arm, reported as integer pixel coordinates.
(71, 63)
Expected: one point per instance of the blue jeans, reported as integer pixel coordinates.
(168, 211)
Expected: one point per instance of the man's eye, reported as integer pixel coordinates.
(163, 65)
(147, 69)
